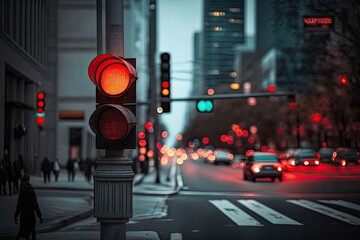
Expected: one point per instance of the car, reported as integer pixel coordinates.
(344, 156)
(303, 156)
(223, 156)
(263, 165)
(238, 161)
(325, 154)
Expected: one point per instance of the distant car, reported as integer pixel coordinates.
(325, 154)
(284, 156)
(344, 156)
(223, 156)
(303, 156)
(238, 161)
(262, 165)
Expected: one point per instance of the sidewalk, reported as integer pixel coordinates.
(59, 211)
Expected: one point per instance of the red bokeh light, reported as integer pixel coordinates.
(271, 88)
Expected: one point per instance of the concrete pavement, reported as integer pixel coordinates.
(59, 211)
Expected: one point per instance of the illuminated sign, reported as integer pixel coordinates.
(318, 23)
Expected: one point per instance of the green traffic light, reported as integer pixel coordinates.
(205, 106)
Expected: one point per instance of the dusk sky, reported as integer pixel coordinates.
(177, 21)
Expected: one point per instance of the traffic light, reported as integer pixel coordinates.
(165, 81)
(40, 108)
(204, 106)
(114, 120)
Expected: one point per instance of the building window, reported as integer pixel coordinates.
(235, 20)
(218, 29)
(234, 10)
(216, 44)
(217, 14)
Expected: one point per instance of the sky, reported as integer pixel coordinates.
(177, 21)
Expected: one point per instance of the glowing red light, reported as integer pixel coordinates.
(148, 126)
(205, 140)
(343, 79)
(40, 104)
(292, 105)
(142, 143)
(40, 95)
(165, 84)
(40, 120)
(316, 117)
(141, 135)
(40, 110)
(224, 138)
(271, 89)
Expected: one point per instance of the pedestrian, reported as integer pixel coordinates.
(26, 207)
(46, 169)
(70, 169)
(88, 169)
(3, 177)
(18, 169)
(56, 169)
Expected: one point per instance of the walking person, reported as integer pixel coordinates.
(3, 177)
(26, 207)
(46, 169)
(56, 169)
(70, 169)
(18, 169)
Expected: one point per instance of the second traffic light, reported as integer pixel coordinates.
(204, 106)
(165, 82)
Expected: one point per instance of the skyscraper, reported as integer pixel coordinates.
(223, 29)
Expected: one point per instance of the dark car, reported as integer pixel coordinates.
(262, 165)
(344, 156)
(303, 156)
(325, 154)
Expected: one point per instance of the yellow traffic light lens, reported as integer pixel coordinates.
(115, 79)
(113, 125)
(165, 92)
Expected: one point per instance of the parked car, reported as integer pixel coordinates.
(223, 156)
(303, 156)
(262, 165)
(325, 154)
(344, 156)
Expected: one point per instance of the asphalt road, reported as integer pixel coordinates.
(216, 203)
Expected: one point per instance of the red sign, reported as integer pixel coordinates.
(318, 23)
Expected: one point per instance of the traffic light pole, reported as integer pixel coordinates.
(113, 176)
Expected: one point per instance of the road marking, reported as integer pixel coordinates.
(240, 217)
(176, 236)
(268, 213)
(327, 211)
(342, 203)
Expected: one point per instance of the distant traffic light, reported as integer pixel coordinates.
(40, 108)
(165, 81)
(204, 106)
(114, 121)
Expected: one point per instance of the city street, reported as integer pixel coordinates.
(216, 203)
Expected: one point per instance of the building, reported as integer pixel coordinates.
(25, 46)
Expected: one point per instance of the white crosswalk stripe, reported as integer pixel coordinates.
(342, 203)
(241, 218)
(268, 213)
(327, 211)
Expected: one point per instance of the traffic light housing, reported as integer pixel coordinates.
(114, 120)
(40, 108)
(165, 81)
(205, 106)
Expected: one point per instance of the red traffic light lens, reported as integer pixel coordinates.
(113, 124)
(115, 79)
(40, 120)
(165, 84)
(41, 104)
(40, 95)
(271, 88)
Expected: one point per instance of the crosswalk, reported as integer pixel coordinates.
(246, 211)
